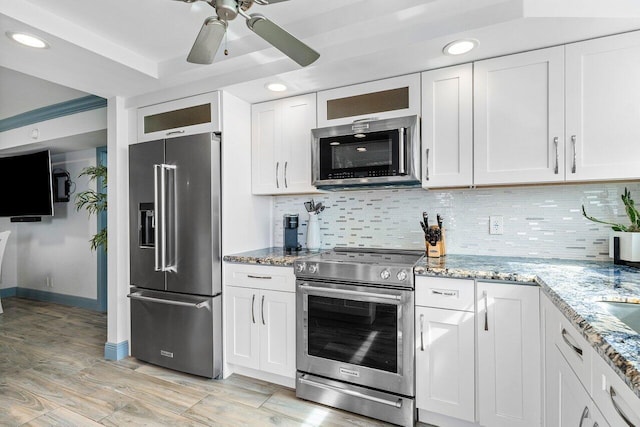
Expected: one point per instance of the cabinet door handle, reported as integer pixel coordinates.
(612, 394)
(253, 316)
(262, 310)
(585, 415)
(285, 175)
(573, 143)
(277, 170)
(444, 293)
(486, 311)
(422, 332)
(555, 143)
(426, 162)
(251, 276)
(175, 132)
(573, 347)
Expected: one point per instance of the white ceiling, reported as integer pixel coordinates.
(137, 49)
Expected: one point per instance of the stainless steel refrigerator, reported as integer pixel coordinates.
(176, 273)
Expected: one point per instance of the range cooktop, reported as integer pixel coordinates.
(386, 267)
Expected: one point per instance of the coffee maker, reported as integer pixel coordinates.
(290, 227)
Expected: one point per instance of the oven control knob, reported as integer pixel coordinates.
(384, 274)
(313, 268)
(402, 275)
(300, 267)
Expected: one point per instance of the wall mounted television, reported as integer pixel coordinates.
(27, 192)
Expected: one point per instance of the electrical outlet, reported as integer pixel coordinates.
(496, 224)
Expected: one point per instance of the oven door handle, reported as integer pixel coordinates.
(353, 293)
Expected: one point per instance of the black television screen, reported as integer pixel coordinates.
(26, 185)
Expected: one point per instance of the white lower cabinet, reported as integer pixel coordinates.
(580, 388)
(509, 355)
(445, 362)
(260, 322)
(619, 405)
(567, 402)
(478, 353)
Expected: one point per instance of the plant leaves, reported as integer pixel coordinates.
(614, 226)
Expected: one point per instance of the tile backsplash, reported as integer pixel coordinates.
(539, 221)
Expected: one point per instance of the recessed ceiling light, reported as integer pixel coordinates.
(459, 47)
(27, 40)
(276, 87)
(361, 149)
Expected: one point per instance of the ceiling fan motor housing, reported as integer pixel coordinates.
(227, 9)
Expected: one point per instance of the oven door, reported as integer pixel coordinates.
(357, 334)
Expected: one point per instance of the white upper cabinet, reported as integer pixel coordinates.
(519, 118)
(186, 116)
(382, 99)
(281, 145)
(603, 108)
(447, 127)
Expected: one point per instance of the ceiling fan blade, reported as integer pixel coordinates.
(265, 2)
(208, 41)
(282, 40)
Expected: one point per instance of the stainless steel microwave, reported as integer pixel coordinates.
(366, 153)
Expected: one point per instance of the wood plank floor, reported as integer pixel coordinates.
(53, 373)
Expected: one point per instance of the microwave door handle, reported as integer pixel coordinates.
(402, 158)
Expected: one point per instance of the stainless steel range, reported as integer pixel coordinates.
(355, 340)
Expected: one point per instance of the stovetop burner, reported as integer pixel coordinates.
(382, 267)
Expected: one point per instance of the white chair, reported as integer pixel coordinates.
(4, 236)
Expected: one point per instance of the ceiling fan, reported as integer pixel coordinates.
(214, 28)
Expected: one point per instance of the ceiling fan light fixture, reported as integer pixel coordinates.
(208, 41)
(276, 87)
(27, 40)
(460, 47)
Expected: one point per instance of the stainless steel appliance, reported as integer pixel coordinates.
(367, 152)
(355, 331)
(174, 222)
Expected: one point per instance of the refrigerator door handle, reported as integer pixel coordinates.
(168, 256)
(157, 202)
(139, 296)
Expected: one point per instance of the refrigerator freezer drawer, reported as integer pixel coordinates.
(177, 331)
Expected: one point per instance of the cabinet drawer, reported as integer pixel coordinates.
(619, 405)
(260, 277)
(573, 346)
(454, 294)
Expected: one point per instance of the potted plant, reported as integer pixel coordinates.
(629, 234)
(94, 202)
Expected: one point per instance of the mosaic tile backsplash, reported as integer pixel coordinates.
(539, 221)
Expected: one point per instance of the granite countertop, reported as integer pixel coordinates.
(268, 256)
(575, 287)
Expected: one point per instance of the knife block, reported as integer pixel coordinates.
(437, 250)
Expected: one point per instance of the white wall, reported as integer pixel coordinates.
(58, 247)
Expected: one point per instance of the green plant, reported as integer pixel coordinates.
(632, 213)
(94, 202)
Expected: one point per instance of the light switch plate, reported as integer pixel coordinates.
(496, 224)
